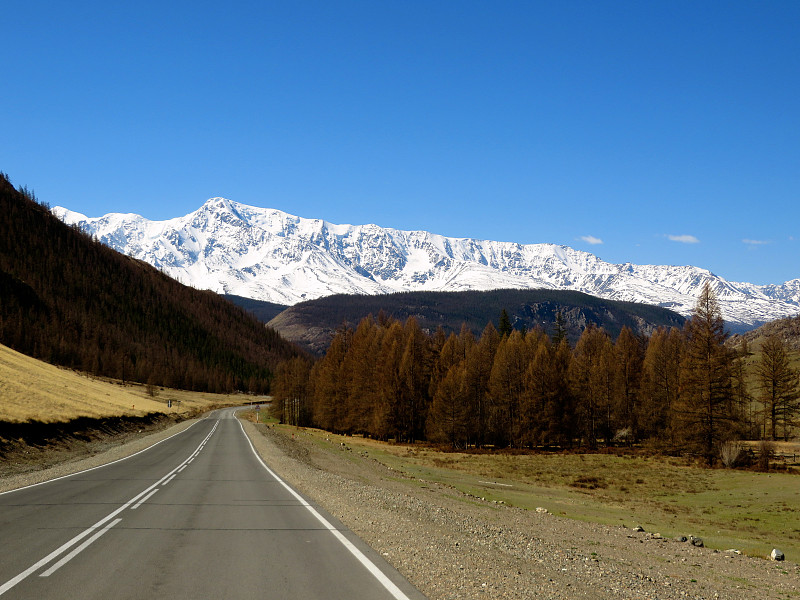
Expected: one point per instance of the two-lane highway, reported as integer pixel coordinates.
(198, 515)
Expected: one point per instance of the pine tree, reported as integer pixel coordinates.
(661, 371)
(559, 332)
(591, 380)
(330, 390)
(386, 414)
(539, 401)
(707, 408)
(448, 418)
(359, 371)
(628, 354)
(506, 389)
(415, 368)
(291, 400)
(505, 328)
(479, 361)
(778, 388)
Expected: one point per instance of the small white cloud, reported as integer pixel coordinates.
(590, 239)
(755, 242)
(684, 239)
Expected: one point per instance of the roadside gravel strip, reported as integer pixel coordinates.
(103, 453)
(453, 546)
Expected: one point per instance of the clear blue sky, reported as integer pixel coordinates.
(668, 131)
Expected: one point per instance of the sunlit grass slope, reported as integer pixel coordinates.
(34, 390)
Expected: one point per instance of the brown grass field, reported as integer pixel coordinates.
(34, 390)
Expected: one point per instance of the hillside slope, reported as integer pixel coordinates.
(70, 300)
(35, 390)
(313, 323)
(786, 329)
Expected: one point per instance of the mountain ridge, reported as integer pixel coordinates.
(268, 254)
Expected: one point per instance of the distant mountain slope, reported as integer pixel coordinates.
(262, 310)
(313, 323)
(270, 255)
(71, 301)
(787, 329)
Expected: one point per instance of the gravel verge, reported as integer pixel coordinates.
(454, 546)
(83, 457)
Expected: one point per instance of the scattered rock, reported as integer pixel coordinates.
(639, 528)
(681, 538)
(776, 554)
(696, 541)
(541, 509)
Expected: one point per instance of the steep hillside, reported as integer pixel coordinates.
(260, 309)
(72, 301)
(313, 323)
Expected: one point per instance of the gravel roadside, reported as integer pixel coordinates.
(453, 546)
(93, 455)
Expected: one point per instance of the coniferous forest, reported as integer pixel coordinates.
(71, 301)
(680, 390)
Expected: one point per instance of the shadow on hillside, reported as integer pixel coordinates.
(32, 446)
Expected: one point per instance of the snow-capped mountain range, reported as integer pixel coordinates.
(270, 255)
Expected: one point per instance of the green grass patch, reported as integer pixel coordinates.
(749, 511)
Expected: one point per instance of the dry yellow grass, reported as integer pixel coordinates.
(34, 390)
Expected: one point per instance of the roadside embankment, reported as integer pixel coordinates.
(39, 454)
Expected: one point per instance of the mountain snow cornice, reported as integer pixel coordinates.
(270, 255)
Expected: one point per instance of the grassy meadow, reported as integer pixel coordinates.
(730, 509)
(34, 390)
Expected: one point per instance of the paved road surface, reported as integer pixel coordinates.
(195, 516)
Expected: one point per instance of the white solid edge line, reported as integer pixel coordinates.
(100, 466)
(360, 556)
(67, 545)
(78, 550)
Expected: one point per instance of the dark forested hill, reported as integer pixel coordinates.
(71, 301)
(313, 323)
(261, 309)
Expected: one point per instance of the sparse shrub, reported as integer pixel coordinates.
(730, 453)
(623, 436)
(766, 452)
(589, 482)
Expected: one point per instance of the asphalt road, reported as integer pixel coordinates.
(198, 515)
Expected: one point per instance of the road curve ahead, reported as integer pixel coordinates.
(198, 515)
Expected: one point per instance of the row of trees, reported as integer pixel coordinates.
(681, 389)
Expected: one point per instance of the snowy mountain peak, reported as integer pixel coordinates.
(271, 255)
